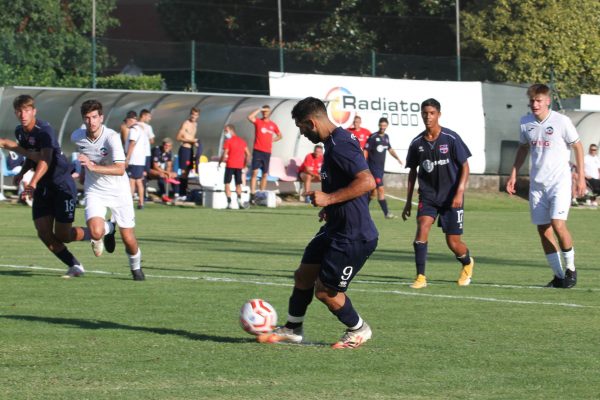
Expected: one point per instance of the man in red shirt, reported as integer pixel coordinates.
(264, 130)
(361, 134)
(236, 152)
(310, 169)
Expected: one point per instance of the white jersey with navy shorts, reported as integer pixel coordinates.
(102, 191)
(550, 143)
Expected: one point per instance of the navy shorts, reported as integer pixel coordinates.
(340, 261)
(233, 173)
(185, 158)
(136, 171)
(450, 219)
(378, 175)
(260, 160)
(58, 202)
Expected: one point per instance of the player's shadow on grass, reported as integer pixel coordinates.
(28, 274)
(98, 324)
(229, 271)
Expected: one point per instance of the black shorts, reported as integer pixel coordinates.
(378, 175)
(135, 171)
(233, 173)
(260, 160)
(450, 219)
(58, 202)
(185, 158)
(340, 261)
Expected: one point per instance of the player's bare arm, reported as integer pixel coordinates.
(40, 169)
(393, 153)
(14, 146)
(363, 183)
(581, 184)
(457, 201)
(412, 178)
(117, 168)
(522, 152)
(252, 116)
(277, 137)
(224, 156)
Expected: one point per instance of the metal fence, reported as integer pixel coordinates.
(186, 64)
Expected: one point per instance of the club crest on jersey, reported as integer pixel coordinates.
(31, 140)
(103, 151)
(443, 148)
(549, 130)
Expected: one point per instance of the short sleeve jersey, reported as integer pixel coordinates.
(310, 161)
(42, 137)
(137, 135)
(591, 165)
(362, 135)
(236, 153)
(439, 163)
(263, 134)
(105, 150)
(147, 129)
(549, 142)
(377, 146)
(161, 157)
(343, 159)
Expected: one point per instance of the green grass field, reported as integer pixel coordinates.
(177, 336)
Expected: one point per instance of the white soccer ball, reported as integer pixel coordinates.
(257, 316)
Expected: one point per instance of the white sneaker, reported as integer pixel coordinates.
(97, 247)
(353, 339)
(282, 334)
(74, 272)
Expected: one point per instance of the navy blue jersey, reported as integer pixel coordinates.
(377, 146)
(42, 137)
(439, 164)
(161, 157)
(344, 159)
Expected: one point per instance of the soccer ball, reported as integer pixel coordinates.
(257, 316)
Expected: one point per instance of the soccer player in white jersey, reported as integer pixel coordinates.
(550, 136)
(106, 185)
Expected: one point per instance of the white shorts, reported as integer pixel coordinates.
(121, 209)
(546, 204)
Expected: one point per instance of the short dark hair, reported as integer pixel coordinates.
(144, 112)
(307, 107)
(194, 110)
(130, 114)
(230, 126)
(431, 103)
(91, 105)
(266, 106)
(537, 89)
(23, 100)
(383, 119)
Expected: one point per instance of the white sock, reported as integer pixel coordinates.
(569, 257)
(358, 325)
(109, 227)
(554, 261)
(135, 261)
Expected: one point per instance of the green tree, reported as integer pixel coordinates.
(47, 42)
(525, 40)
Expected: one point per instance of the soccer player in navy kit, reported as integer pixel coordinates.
(52, 187)
(343, 245)
(375, 150)
(443, 170)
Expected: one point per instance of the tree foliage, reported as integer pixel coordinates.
(47, 42)
(525, 40)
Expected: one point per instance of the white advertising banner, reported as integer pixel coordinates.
(399, 101)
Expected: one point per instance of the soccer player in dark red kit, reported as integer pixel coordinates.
(342, 246)
(441, 158)
(265, 133)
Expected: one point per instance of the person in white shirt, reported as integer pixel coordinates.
(136, 153)
(591, 163)
(106, 186)
(550, 136)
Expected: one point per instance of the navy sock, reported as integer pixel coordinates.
(347, 314)
(465, 259)
(299, 301)
(420, 256)
(183, 184)
(383, 205)
(67, 257)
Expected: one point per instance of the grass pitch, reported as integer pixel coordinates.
(176, 335)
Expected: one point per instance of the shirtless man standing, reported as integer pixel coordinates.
(187, 137)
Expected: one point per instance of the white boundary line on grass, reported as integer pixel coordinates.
(265, 283)
(401, 199)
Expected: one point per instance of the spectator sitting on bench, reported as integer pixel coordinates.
(310, 169)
